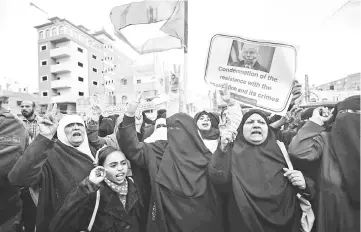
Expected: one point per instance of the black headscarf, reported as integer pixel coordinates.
(213, 132)
(262, 192)
(184, 165)
(345, 146)
(107, 124)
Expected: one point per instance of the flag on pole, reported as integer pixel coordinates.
(150, 12)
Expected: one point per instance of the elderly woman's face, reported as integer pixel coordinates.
(75, 133)
(255, 129)
(204, 122)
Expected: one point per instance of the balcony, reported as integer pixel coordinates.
(61, 84)
(60, 68)
(60, 52)
(69, 98)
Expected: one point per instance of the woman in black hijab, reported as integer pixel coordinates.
(182, 197)
(188, 197)
(251, 170)
(335, 158)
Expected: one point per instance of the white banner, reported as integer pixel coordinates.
(258, 73)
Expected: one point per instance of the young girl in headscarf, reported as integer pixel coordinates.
(120, 206)
(332, 159)
(251, 169)
(207, 124)
(57, 166)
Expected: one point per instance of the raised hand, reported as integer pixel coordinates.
(227, 136)
(296, 178)
(225, 95)
(95, 113)
(97, 175)
(133, 105)
(48, 124)
(321, 115)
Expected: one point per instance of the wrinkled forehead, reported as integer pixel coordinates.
(255, 117)
(250, 47)
(70, 119)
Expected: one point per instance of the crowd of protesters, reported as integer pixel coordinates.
(235, 170)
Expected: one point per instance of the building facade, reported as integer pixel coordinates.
(74, 63)
(348, 83)
(14, 93)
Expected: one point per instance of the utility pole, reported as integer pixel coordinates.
(307, 89)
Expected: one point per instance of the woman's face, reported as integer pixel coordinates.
(116, 167)
(255, 129)
(204, 122)
(75, 133)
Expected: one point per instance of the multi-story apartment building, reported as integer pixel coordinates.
(14, 93)
(348, 83)
(75, 63)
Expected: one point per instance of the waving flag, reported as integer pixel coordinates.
(151, 12)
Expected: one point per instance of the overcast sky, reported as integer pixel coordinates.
(329, 47)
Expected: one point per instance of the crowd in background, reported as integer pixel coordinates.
(234, 170)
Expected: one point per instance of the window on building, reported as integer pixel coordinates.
(124, 99)
(80, 64)
(111, 69)
(75, 34)
(58, 78)
(81, 38)
(95, 70)
(81, 93)
(90, 42)
(44, 62)
(80, 79)
(18, 103)
(124, 81)
(47, 33)
(61, 30)
(95, 83)
(43, 47)
(45, 94)
(58, 94)
(80, 50)
(41, 34)
(112, 81)
(94, 57)
(332, 87)
(44, 78)
(54, 31)
(139, 81)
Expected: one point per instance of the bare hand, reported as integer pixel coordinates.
(227, 136)
(225, 95)
(296, 178)
(95, 113)
(138, 120)
(133, 105)
(48, 124)
(97, 175)
(321, 115)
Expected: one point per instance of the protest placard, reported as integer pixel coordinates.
(257, 73)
